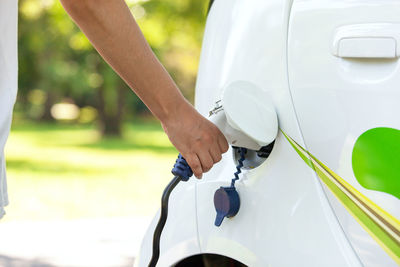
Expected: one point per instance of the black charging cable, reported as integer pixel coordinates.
(182, 172)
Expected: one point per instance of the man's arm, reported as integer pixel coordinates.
(113, 31)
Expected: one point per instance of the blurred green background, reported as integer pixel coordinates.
(82, 144)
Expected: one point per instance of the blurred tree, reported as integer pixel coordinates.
(57, 61)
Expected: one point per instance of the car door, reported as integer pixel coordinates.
(344, 76)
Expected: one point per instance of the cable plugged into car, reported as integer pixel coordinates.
(181, 172)
(247, 118)
(226, 199)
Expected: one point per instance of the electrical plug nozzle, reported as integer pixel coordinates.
(182, 169)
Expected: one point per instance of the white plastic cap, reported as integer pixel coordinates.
(251, 120)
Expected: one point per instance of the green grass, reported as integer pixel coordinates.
(69, 172)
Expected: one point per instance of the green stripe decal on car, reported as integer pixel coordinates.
(383, 227)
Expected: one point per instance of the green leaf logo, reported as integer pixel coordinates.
(376, 160)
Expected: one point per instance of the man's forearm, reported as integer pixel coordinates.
(112, 30)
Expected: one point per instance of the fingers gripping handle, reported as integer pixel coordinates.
(182, 169)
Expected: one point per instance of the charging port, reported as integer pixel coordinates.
(253, 158)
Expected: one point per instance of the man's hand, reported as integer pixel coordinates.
(112, 30)
(199, 141)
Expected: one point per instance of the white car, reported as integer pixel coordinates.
(329, 192)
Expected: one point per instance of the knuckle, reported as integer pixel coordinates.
(196, 146)
(196, 166)
(208, 138)
(189, 160)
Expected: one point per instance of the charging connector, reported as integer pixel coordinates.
(181, 172)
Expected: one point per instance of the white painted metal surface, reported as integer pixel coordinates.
(286, 217)
(337, 99)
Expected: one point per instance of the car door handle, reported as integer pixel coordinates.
(371, 40)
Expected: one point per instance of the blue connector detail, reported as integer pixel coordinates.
(226, 199)
(226, 203)
(242, 152)
(182, 169)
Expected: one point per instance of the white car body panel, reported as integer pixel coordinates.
(348, 98)
(286, 218)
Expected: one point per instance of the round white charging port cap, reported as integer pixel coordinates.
(250, 110)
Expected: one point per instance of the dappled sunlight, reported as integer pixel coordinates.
(86, 166)
(65, 111)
